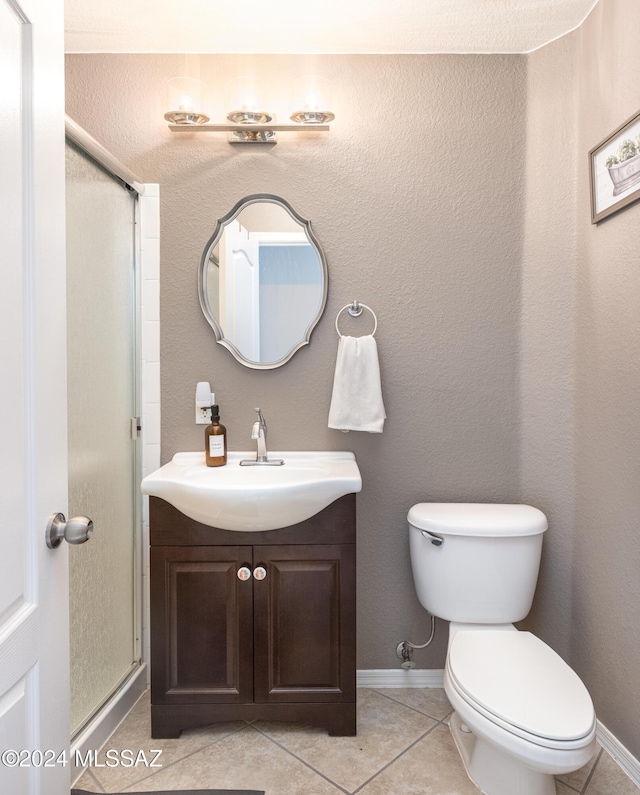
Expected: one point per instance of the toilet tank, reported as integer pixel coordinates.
(476, 563)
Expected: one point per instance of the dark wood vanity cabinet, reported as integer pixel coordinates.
(277, 648)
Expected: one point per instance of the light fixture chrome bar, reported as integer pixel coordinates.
(81, 138)
(192, 128)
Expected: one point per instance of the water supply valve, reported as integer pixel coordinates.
(405, 652)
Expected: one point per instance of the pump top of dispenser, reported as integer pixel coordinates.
(215, 412)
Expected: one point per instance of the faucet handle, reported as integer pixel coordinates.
(259, 425)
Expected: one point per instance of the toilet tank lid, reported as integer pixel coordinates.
(478, 519)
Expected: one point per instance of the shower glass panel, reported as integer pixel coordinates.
(102, 399)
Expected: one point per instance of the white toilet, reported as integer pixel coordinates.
(521, 713)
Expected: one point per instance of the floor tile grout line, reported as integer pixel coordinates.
(186, 756)
(592, 771)
(395, 758)
(306, 764)
(568, 786)
(441, 721)
(415, 709)
(98, 783)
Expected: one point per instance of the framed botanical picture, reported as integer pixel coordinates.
(614, 170)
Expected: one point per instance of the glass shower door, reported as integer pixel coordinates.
(103, 481)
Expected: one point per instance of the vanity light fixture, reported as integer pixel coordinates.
(312, 95)
(249, 120)
(248, 96)
(185, 94)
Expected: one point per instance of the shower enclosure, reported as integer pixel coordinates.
(104, 579)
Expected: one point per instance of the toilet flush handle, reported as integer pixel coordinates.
(437, 541)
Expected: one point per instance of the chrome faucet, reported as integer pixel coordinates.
(259, 433)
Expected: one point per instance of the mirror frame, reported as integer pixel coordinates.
(221, 223)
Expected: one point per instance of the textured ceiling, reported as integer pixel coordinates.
(319, 26)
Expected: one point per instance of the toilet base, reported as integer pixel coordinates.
(496, 773)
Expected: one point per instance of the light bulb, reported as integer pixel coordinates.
(312, 100)
(247, 102)
(184, 97)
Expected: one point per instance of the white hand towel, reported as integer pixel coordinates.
(356, 402)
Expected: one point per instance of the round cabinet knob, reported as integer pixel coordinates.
(244, 573)
(259, 573)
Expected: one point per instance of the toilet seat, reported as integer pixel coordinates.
(520, 684)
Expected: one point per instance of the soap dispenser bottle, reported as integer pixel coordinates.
(215, 440)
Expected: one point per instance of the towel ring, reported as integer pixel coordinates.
(355, 310)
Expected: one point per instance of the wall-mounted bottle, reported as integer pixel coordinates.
(215, 440)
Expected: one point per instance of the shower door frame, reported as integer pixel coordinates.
(114, 707)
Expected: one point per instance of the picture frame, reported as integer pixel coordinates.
(614, 170)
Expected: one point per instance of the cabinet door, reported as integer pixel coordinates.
(201, 625)
(304, 624)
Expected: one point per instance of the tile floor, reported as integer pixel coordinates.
(403, 747)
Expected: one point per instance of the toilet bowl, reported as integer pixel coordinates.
(530, 715)
(522, 715)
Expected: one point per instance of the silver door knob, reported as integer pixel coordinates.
(259, 572)
(75, 531)
(244, 573)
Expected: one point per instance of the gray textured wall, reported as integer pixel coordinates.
(581, 363)
(547, 335)
(606, 587)
(416, 198)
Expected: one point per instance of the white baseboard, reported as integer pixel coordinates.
(620, 754)
(103, 725)
(398, 677)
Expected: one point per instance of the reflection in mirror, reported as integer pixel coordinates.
(263, 281)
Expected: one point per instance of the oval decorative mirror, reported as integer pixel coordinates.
(263, 281)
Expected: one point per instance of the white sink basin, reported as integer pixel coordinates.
(254, 498)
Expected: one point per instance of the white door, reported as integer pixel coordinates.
(240, 272)
(34, 661)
